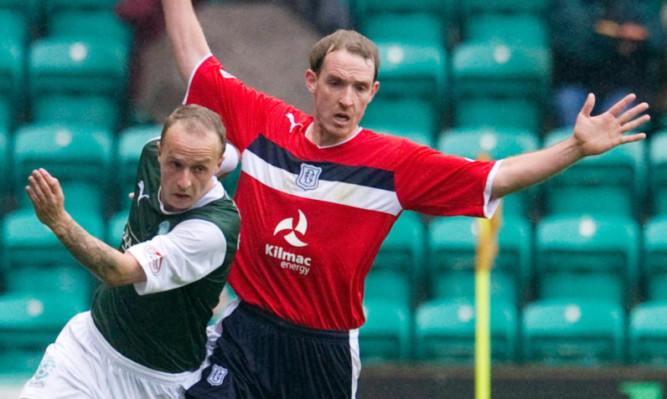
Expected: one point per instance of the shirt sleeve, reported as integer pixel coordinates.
(192, 250)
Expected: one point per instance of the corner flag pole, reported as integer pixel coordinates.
(487, 249)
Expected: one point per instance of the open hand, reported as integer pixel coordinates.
(46, 196)
(601, 133)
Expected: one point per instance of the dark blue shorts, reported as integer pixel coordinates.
(261, 356)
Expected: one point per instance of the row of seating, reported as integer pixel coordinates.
(76, 68)
(579, 333)
(627, 180)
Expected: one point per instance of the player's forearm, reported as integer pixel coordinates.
(108, 264)
(186, 35)
(525, 170)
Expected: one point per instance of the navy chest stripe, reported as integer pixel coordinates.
(279, 157)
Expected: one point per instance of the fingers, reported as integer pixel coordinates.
(632, 138)
(43, 187)
(635, 123)
(621, 105)
(632, 112)
(588, 105)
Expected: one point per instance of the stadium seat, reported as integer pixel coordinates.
(28, 243)
(5, 164)
(498, 113)
(477, 7)
(611, 183)
(403, 248)
(70, 152)
(590, 247)
(654, 255)
(414, 28)
(82, 24)
(658, 171)
(388, 285)
(647, 334)
(52, 7)
(526, 30)
(90, 110)
(413, 71)
(452, 245)
(67, 65)
(386, 334)
(494, 143)
(30, 12)
(116, 227)
(416, 119)
(481, 69)
(363, 9)
(130, 143)
(12, 79)
(573, 333)
(29, 322)
(445, 332)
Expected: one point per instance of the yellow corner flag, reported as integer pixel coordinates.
(487, 250)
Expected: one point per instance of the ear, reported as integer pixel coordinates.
(311, 80)
(374, 89)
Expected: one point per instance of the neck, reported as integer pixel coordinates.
(316, 135)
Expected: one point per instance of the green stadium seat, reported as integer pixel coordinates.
(130, 144)
(29, 322)
(476, 7)
(363, 9)
(445, 332)
(386, 334)
(582, 333)
(452, 245)
(30, 11)
(481, 69)
(658, 171)
(403, 248)
(654, 256)
(82, 24)
(494, 143)
(647, 334)
(5, 164)
(70, 152)
(389, 285)
(526, 30)
(52, 7)
(414, 28)
(413, 71)
(590, 247)
(67, 65)
(28, 243)
(611, 183)
(500, 113)
(416, 119)
(12, 78)
(116, 227)
(90, 110)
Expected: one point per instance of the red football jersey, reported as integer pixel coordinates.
(313, 218)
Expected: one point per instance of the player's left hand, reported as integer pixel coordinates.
(46, 196)
(601, 133)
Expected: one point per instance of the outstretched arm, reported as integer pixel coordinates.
(593, 135)
(186, 35)
(110, 265)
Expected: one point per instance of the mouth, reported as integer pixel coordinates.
(341, 118)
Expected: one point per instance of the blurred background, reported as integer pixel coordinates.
(579, 286)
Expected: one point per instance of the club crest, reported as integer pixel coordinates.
(309, 177)
(217, 376)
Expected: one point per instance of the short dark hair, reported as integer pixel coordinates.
(196, 118)
(342, 39)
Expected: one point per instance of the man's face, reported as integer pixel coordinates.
(188, 161)
(342, 91)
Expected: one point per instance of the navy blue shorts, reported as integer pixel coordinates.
(261, 356)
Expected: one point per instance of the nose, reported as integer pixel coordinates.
(184, 180)
(346, 97)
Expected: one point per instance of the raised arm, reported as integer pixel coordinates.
(186, 35)
(108, 264)
(593, 135)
